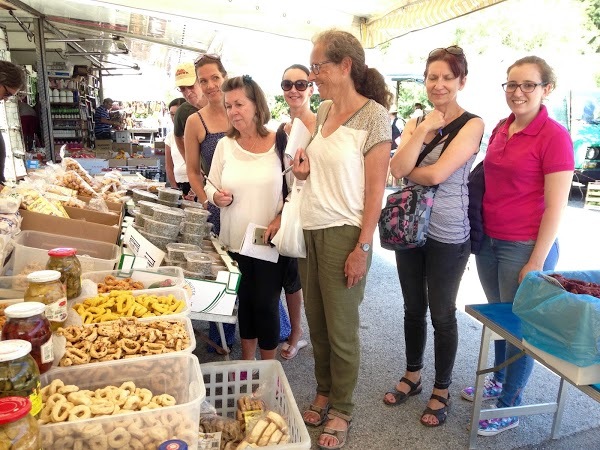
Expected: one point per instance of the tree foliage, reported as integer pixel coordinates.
(280, 106)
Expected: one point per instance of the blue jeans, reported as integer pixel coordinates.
(430, 277)
(498, 265)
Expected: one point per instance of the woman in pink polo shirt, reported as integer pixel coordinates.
(528, 172)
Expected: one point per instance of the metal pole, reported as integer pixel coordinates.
(43, 86)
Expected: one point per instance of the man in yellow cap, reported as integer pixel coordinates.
(185, 80)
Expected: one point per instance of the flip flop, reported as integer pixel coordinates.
(291, 350)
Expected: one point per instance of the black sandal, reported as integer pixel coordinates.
(401, 397)
(440, 414)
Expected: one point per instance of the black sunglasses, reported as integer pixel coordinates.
(453, 50)
(300, 85)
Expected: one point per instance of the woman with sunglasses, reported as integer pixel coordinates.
(345, 167)
(528, 172)
(430, 275)
(297, 92)
(12, 80)
(247, 186)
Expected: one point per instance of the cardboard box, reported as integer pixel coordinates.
(123, 136)
(115, 207)
(143, 162)
(117, 162)
(93, 165)
(83, 223)
(117, 147)
(104, 144)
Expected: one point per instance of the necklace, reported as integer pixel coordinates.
(251, 150)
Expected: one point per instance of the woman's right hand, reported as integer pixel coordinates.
(433, 121)
(223, 198)
(301, 168)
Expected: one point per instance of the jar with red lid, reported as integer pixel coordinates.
(19, 374)
(44, 286)
(28, 321)
(18, 428)
(64, 259)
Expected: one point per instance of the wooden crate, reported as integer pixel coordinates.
(592, 197)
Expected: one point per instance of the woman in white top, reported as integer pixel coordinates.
(246, 172)
(345, 166)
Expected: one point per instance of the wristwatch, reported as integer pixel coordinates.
(365, 247)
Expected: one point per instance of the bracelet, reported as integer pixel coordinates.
(229, 204)
(204, 203)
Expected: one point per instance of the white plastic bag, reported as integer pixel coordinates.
(289, 240)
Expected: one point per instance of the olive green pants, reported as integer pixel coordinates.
(332, 312)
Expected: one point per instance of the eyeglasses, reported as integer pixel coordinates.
(300, 85)
(316, 67)
(453, 50)
(185, 88)
(526, 88)
(7, 93)
(212, 56)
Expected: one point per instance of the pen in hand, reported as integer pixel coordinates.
(288, 169)
(208, 180)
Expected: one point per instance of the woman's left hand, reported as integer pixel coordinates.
(356, 267)
(529, 267)
(273, 228)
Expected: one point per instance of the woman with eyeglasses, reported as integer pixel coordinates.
(430, 275)
(247, 186)
(297, 92)
(528, 172)
(345, 167)
(12, 80)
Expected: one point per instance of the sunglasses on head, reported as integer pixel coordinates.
(453, 50)
(300, 85)
(212, 56)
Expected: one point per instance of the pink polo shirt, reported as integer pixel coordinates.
(513, 203)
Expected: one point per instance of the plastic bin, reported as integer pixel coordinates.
(177, 291)
(225, 382)
(176, 374)
(146, 276)
(32, 247)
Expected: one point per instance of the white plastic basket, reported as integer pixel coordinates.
(146, 276)
(225, 382)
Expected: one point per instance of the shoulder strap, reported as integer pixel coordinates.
(449, 131)
(280, 144)
(203, 123)
(495, 130)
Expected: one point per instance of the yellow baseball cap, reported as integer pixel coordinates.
(185, 74)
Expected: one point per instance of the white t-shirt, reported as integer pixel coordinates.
(255, 181)
(179, 169)
(334, 192)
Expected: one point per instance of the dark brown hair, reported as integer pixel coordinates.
(177, 102)
(256, 95)
(12, 75)
(298, 66)
(457, 63)
(367, 81)
(211, 59)
(546, 72)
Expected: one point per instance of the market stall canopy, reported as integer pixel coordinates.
(194, 25)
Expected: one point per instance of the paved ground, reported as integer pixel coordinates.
(382, 351)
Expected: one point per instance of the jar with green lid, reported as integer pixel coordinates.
(19, 374)
(18, 428)
(44, 286)
(65, 260)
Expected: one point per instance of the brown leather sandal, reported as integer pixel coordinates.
(322, 412)
(440, 414)
(340, 435)
(401, 397)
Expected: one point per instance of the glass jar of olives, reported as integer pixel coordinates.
(44, 286)
(18, 428)
(27, 321)
(64, 260)
(19, 374)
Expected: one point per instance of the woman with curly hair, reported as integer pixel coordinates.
(345, 168)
